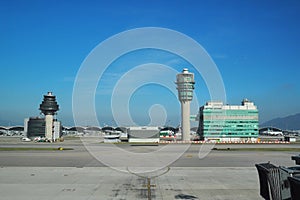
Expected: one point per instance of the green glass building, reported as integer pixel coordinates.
(221, 122)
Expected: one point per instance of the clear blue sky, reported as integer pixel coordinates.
(255, 45)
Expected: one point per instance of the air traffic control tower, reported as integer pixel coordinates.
(185, 86)
(49, 107)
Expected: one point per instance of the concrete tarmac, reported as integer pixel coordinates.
(76, 174)
(80, 157)
(94, 183)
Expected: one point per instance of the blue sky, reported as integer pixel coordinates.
(255, 45)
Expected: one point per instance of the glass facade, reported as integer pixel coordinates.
(221, 122)
(185, 85)
(36, 127)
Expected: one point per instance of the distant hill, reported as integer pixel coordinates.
(291, 122)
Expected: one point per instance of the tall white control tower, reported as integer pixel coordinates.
(185, 86)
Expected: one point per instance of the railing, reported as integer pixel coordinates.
(274, 181)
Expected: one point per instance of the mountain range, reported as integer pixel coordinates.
(291, 122)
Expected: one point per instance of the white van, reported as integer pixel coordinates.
(25, 139)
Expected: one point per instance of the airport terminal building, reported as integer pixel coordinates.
(230, 123)
(36, 127)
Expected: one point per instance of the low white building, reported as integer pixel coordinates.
(143, 134)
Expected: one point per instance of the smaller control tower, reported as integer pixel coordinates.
(185, 86)
(49, 107)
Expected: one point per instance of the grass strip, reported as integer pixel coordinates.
(257, 149)
(33, 149)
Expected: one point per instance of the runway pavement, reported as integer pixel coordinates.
(76, 174)
(80, 157)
